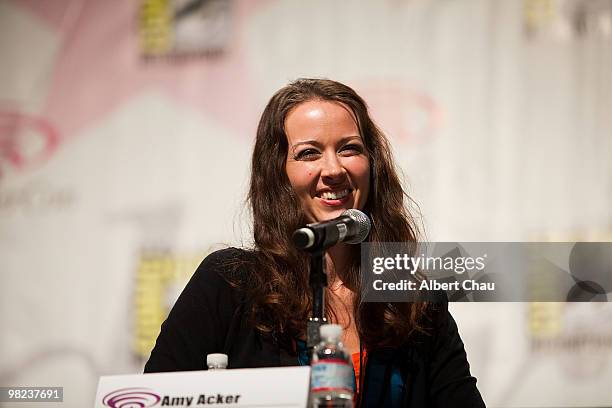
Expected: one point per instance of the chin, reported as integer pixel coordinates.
(330, 214)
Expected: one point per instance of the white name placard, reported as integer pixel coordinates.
(253, 387)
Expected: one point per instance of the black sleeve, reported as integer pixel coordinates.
(198, 323)
(452, 385)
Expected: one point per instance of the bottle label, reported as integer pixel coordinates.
(331, 375)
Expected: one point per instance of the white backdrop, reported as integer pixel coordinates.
(117, 175)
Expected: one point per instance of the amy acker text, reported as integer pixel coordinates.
(404, 284)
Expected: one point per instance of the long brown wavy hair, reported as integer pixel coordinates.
(277, 287)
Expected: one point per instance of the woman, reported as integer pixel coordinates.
(318, 153)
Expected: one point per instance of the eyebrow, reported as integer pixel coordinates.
(316, 143)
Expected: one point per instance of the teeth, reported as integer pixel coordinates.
(334, 195)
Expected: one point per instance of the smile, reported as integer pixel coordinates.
(334, 195)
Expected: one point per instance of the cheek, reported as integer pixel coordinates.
(361, 174)
(301, 178)
(360, 169)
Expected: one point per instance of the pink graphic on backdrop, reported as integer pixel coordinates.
(25, 140)
(98, 67)
(406, 114)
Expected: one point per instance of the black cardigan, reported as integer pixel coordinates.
(209, 317)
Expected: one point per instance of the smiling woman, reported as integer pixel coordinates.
(327, 164)
(318, 153)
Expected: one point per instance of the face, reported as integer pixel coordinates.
(327, 163)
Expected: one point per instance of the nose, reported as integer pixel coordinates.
(332, 169)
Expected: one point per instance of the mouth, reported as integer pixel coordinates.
(335, 197)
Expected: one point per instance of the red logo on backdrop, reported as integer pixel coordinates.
(25, 140)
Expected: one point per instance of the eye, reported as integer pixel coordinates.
(352, 149)
(306, 154)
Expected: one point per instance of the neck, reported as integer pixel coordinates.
(337, 261)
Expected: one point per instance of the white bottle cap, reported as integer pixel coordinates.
(216, 360)
(330, 332)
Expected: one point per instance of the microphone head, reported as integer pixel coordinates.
(363, 225)
(303, 238)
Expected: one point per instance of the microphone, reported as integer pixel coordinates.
(352, 227)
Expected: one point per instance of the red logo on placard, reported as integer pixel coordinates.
(131, 398)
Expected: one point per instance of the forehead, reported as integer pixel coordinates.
(319, 118)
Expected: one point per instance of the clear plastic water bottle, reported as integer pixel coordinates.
(216, 361)
(331, 379)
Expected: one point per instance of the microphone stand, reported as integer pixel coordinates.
(318, 282)
(353, 225)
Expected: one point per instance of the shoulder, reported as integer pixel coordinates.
(220, 278)
(440, 318)
(438, 328)
(222, 267)
(449, 370)
(226, 255)
(201, 319)
(438, 321)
